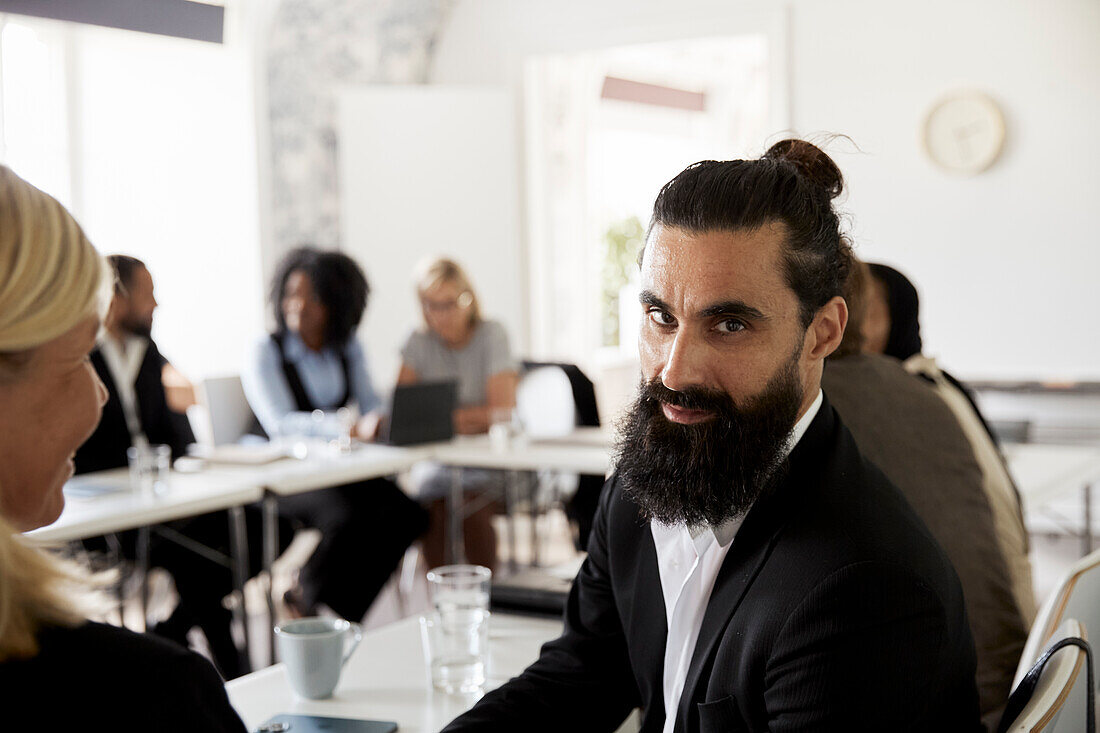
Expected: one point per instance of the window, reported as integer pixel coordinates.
(605, 131)
(150, 142)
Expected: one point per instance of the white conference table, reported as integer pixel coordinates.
(587, 450)
(387, 677)
(1046, 474)
(103, 502)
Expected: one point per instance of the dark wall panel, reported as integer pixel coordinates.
(166, 17)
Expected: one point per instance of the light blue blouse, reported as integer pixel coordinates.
(322, 377)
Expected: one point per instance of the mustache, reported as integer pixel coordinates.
(691, 398)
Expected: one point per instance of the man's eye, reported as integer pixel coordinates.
(731, 325)
(661, 318)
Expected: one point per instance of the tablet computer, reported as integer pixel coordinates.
(286, 723)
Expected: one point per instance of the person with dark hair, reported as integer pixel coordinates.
(304, 380)
(748, 568)
(129, 363)
(903, 425)
(141, 411)
(890, 325)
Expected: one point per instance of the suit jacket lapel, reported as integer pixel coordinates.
(646, 625)
(750, 550)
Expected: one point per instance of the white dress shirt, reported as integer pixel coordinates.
(124, 362)
(689, 559)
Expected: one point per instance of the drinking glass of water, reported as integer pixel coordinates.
(456, 633)
(149, 468)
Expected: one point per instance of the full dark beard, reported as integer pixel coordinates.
(707, 472)
(137, 327)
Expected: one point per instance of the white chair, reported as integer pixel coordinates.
(544, 403)
(546, 408)
(1047, 708)
(1077, 596)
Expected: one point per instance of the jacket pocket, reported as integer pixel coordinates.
(721, 716)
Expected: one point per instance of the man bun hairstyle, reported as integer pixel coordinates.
(793, 183)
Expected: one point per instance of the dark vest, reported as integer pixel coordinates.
(294, 380)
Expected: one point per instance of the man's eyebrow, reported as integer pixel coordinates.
(736, 308)
(648, 297)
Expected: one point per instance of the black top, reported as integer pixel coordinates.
(107, 446)
(833, 610)
(98, 677)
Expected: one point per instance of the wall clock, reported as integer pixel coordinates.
(964, 133)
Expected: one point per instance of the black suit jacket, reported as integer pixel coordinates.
(834, 610)
(107, 446)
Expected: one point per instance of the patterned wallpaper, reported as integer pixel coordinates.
(316, 46)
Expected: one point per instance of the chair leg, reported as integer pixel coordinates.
(532, 494)
(510, 510)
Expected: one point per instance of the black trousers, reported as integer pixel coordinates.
(365, 529)
(202, 583)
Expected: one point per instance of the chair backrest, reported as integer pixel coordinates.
(230, 417)
(1049, 705)
(544, 403)
(1077, 596)
(584, 391)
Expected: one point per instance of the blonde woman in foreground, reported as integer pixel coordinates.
(59, 671)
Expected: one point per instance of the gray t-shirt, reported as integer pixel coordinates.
(486, 354)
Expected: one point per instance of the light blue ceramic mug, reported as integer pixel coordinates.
(314, 651)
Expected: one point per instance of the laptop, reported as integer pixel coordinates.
(422, 413)
(227, 418)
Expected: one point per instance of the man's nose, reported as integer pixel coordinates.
(685, 365)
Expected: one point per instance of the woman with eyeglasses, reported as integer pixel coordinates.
(457, 343)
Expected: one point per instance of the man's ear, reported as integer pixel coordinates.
(827, 329)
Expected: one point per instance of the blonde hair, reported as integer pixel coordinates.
(438, 270)
(51, 278)
(36, 589)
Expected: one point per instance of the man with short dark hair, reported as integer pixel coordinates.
(138, 412)
(748, 570)
(133, 371)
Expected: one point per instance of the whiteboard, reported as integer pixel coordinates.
(423, 171)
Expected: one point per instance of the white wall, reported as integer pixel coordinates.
(1006, 261)
(165, 170)
(411, 187)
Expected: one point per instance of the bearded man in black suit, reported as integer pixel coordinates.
(748, 570)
